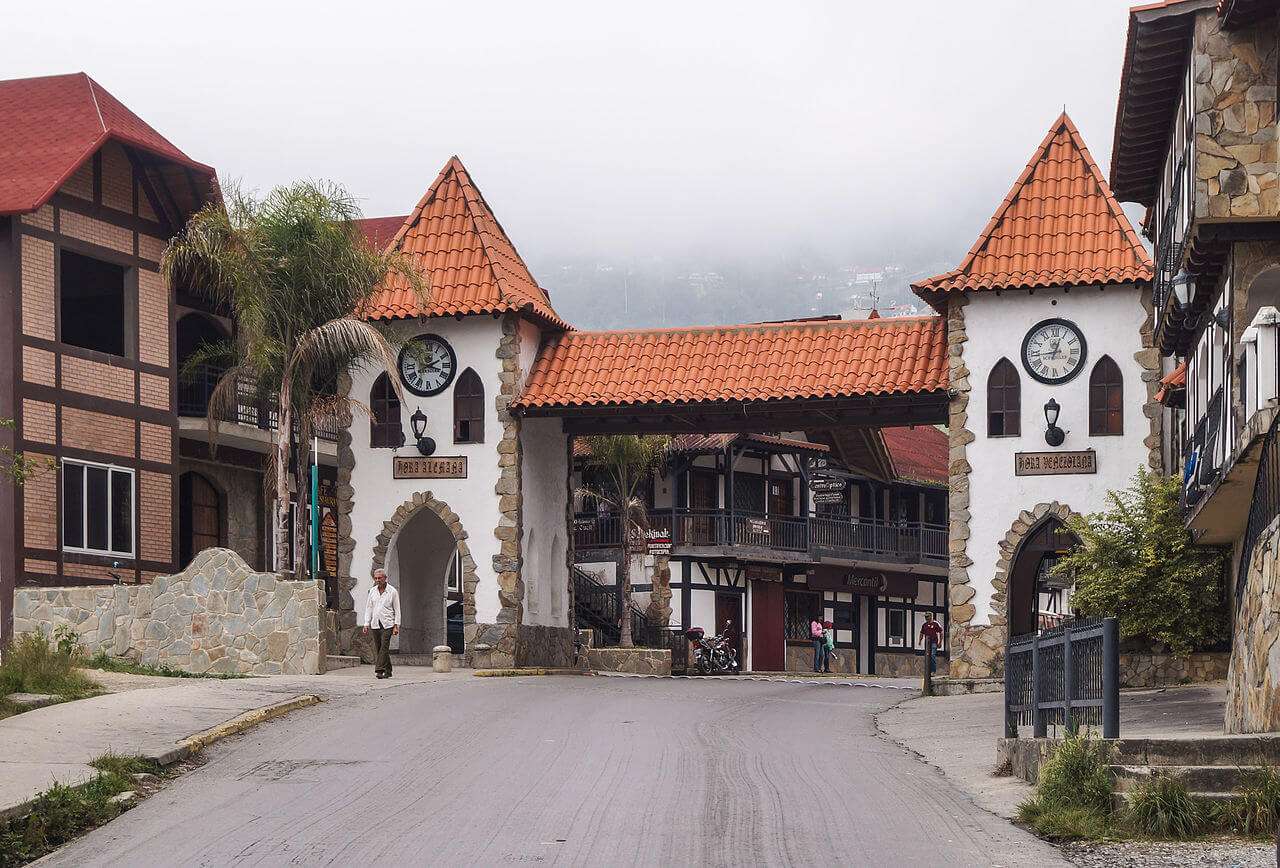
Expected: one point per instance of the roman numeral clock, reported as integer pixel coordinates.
(427, 365)
(1054, 351)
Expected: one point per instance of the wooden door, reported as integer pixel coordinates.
(704, 498)
(729, 620)
(768, 646)
(199, 516)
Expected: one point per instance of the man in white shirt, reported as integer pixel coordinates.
(382, 615)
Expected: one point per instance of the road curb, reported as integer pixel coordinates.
(832, 682)
(533, 670)
(194, 744)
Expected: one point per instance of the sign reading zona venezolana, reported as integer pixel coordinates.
(1051, 463)
(436, 467)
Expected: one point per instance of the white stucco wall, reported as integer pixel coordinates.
(544, 489)
(1110, 321)
(475, 340)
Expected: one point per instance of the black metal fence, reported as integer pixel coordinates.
(1068, 676)
(1265, 504)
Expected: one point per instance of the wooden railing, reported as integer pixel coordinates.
(843, 536)
(195, 388)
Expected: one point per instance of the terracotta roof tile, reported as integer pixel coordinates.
(53, 124)
(685, 444)
(455, 241)
(1058, 226)
(919, 454)
(1172, 382)
(381, 230)
(815, 359)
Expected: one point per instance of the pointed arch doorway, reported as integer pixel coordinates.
(1038, 599)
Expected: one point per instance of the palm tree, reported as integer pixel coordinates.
(295, 271)
(622, 462)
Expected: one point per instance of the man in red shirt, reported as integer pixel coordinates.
(931, 633)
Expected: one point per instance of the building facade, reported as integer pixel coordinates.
(1052, 381)
(755, 536)
(1196, 143)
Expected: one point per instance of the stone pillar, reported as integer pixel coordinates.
(442, 658)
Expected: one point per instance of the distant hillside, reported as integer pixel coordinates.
(604, 295)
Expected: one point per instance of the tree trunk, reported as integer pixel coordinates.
(624, 629)
(283, 436)
(302, 524)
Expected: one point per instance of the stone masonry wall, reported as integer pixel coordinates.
(1235, 100)
(1253, 681)
(215, 616)
(903, 665)
(1163, 670)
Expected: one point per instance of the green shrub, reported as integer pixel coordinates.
(104, 661)
(1073, 795)
(1256, 810)
(31, 664)
(1161, 807)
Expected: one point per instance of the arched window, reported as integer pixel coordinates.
(386, 427)
(1106, 399)
(1004, 401)
(468, 408)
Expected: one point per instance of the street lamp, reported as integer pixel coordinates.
(1054, 435)
(426, 445)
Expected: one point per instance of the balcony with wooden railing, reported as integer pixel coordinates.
(802, 538)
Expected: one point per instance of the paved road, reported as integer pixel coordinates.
(564, 770)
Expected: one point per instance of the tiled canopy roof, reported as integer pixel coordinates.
(1058, 226)
(688, 444)
(1172, 382)
(49, 126)
(455, 241)
(789, 360)
(919, 454)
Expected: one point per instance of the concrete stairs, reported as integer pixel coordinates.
(1213, 768)
(340, 661)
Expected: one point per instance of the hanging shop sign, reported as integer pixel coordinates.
(758, 526)
(1054, 463)
(763, 574)
(435, 467)
(825, 577)
(658, 540)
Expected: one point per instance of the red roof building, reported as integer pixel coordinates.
(54, 124)
(1058, 226)
(454, 240)
(919, 454)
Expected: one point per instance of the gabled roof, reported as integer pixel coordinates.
(380, 231)
(49, 126)
(454, 240)
(764, 361)
(1058, 226)
(919, 454)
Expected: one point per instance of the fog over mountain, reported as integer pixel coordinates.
(663, 162)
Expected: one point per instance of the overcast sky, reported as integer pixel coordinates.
(733, 128)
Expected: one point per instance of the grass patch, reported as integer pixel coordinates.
(1161, 807)
(104, 661)
(1256, 809)
(1073, 797)
(33, 664)
(62, 813)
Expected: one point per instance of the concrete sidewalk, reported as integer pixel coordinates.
(152, 717)
(957, 734)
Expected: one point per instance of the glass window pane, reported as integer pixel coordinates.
(73, 506)
(97, 516)
(121, 512)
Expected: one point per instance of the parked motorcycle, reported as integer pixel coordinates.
(713, 655)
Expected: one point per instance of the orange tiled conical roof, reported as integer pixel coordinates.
(1059, 226)
(472, 267)
(764, 361)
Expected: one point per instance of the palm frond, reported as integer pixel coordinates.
(348, 339)
(224, 401)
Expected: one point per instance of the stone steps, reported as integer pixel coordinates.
(1200, 780)
(1228, 750)
(340, 661)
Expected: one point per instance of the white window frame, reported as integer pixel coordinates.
(890, 639)
(84, 509)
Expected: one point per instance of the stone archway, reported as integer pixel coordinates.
(1027, 523)
(425, 500)
(978, 651)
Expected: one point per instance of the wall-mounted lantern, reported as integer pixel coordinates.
(1054, 436)
(426, 445)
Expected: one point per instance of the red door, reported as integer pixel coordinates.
(768, 648)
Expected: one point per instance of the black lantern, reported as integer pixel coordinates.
(1054, 435)
(418, 420)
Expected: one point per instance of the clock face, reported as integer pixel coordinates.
(1054, 351)
(427, 365)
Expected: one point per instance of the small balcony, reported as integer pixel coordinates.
(250, 410)
(783, 539)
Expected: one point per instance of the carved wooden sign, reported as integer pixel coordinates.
(1053, 463)
(435, 467)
